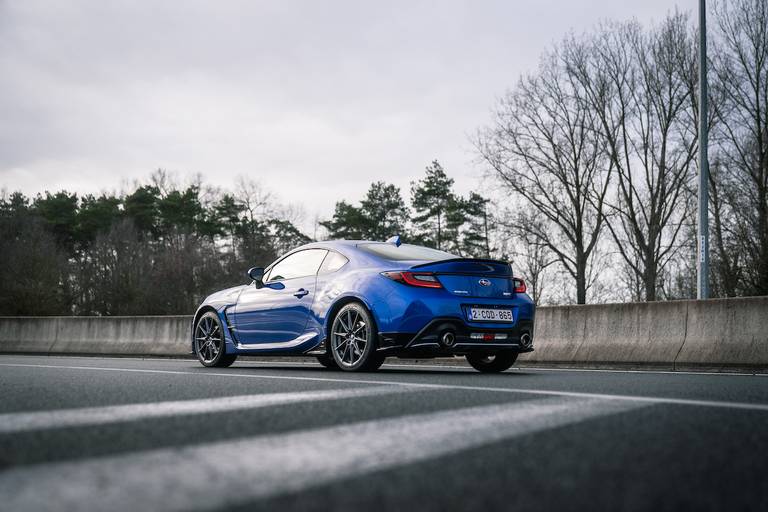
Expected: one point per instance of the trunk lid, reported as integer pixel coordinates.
(469, 277)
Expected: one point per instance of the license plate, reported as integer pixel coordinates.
(490, 315)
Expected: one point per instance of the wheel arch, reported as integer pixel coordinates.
(343, 301)
(200, 312)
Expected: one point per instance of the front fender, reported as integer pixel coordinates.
(218, 302)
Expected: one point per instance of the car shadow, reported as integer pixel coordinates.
(415, 370)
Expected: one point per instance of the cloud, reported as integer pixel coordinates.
(314, 99)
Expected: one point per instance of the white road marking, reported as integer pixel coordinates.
(521, 366)
(352, 380)
(40, 420)
(226, 473)
(535, 368)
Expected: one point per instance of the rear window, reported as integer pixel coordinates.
(406, 252)
(333, 262)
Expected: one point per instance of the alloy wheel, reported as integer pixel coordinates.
(349, 337)
(208, 339)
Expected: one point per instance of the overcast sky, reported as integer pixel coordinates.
(314, 99)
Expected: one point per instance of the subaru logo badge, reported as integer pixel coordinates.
(484, 282)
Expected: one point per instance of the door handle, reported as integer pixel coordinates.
(299, 294)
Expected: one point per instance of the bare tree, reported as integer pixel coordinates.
(640, 85)
(116, 274)
(544, 146)
(256, 201)
(33, 275)
(741, 68)
(165, 181)
(727, 258)
(531, 261)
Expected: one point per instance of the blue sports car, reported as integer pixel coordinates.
(354, 303)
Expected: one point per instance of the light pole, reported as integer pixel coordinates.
(702, 261)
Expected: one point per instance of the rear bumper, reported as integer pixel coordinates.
(430, 341)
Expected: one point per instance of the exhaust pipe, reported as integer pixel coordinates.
(447, 339)
(525, 339)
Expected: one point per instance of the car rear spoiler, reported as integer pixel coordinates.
(467, 266)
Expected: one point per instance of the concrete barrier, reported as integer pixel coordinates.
(119, 335)
(726, 333)
(28, 334)
(641, 334)
(674, 335)
(717, 334)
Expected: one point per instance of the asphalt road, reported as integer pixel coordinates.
(131, 434)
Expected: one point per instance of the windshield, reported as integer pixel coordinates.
(405, 252)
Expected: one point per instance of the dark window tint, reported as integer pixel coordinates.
(333, 262)
(299, 264)
(406, 252)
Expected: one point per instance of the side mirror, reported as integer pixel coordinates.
(256, 274)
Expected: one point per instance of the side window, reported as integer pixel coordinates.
(299, 264)
(333, 262)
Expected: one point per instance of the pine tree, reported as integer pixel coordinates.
(475, 238)
(348, 222)
(435, 206)
(381, 214)
(384, 211)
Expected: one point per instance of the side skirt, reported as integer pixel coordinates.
(288, 347)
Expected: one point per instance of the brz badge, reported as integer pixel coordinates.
(484, 282)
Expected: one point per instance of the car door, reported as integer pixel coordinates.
(278, 311)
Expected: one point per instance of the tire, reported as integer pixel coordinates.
(352, 327)
(210, 347)
(492, 363)
(328, 361)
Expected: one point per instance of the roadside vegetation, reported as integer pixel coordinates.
(161, 247)
(157, 249)
(596, 152)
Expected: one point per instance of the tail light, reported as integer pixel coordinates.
(519, 285)
(422, 279)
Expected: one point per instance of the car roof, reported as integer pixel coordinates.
(353, 246)
(338, 243)
(346, 247)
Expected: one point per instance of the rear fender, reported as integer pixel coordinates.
(342, 301)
